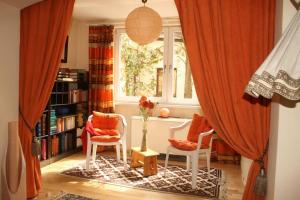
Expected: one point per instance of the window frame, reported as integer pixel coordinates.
(167, 88)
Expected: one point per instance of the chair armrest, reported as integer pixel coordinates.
(123, 120)
(90, 118)
(124, 126)
(203, 134)
(89, 126)
(177, 128)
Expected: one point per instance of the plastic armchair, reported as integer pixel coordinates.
(92, 145)
(192, 156)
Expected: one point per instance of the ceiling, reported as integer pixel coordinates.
(93, 10)
(20, 3)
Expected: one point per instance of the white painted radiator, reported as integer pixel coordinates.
(158, 132)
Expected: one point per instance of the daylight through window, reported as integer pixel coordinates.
(159, 70)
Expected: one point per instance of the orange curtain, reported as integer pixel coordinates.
(226, 41)
(101, 69)
(44, 28)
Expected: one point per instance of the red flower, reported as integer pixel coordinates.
(145, 104)
(151, 105)
(143, 98)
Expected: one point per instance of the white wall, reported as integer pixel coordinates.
(78, 51)
(284, 159)
(82, 59)
(72, 47)
(9, 70)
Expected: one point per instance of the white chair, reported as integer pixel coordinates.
(122, 128)
(192, 156)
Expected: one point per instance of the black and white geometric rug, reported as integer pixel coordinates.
(177, 180)
(69, 196)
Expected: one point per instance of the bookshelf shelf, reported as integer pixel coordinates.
(59, 92)
(63, 117)
(69, 130)
(65, 81)
(43, 136)
(66, 116)
(68, 104)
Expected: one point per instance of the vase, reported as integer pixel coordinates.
(13, 167)
(144, 138)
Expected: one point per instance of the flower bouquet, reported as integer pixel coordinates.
(146, 107)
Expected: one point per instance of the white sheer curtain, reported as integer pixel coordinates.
(280, 72)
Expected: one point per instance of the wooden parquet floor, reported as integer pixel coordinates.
(55, 183)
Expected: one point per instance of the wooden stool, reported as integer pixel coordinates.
(148, 159)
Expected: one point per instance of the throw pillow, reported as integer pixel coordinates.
(199, 125)
(104, 121)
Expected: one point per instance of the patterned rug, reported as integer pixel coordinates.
(69, 196)
(177, 180)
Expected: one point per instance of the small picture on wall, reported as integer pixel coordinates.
(64, 58)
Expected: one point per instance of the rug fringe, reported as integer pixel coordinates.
(223, 187)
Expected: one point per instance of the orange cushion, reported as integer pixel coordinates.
(199, 125)
(104, 121)
(185, 145)
(105, 138)
(111, 132)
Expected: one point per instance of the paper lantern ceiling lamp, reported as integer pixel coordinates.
(143, 25)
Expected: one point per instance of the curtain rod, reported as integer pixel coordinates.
(121, 23)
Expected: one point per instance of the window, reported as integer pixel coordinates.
(159, 70)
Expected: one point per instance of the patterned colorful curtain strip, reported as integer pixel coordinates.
(101, 69)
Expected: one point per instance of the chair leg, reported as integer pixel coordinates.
(194, 170)
(88, 155)
(118, 152)
(188, 163)
(208, 163)
(124, 154)
(166, 162)
(94, 152)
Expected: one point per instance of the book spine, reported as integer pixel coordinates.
(44, 149)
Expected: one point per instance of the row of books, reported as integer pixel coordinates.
(62, 143)
(43, 155)
(53, 128)
(64, 124)
(59, 143)
(40, 128)
(73, 96)
(67, 74)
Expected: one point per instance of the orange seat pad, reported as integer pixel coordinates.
(111, 132)
(105, 138)
(185, 145)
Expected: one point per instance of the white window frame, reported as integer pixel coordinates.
(167, 95)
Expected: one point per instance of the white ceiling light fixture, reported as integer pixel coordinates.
(143, 25)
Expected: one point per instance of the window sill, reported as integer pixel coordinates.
(182, 106)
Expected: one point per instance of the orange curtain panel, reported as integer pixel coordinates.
(44, 28)
(101, 69)
(226, 41)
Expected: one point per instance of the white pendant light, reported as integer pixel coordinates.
(143, 25)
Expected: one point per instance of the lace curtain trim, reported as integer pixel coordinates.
(266, 85)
